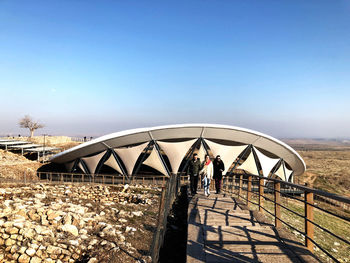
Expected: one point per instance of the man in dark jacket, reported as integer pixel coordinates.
(193, 169)
(219, 167)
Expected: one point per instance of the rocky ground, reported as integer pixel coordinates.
(77, 223)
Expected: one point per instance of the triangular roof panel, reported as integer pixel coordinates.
(129, 156)
(154, 161)
(112, 162)
(176, 151)
(249, 165)
(92, 161)
(227, 153)
(266, 162)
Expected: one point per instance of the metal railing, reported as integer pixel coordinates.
(56, 177)
(169, 194)
(259, 191)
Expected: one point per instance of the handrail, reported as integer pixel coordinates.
(241, 185)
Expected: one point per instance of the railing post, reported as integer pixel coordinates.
(249, 190)
(123, 179)
(277, 189)
(309, 217)
(261, 195)
(103, 179)
(240, 185)
(161, 205)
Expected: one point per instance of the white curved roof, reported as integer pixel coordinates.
(186, 131)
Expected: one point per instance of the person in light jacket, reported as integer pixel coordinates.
(207, 172)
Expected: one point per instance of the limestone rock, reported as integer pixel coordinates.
(11, 230)
(24, 259)
(137, 213)
(67, 219)
(70, 229)
(35, 260)
(30, 252)
(9, 242)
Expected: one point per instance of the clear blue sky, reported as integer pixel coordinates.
(95, 67)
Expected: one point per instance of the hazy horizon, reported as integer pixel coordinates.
(84, 68)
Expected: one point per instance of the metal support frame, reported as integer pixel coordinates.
(103, 160)
(159, 154)
(143, 157)
(256, 163)
(116, 157)
(188, 158)
(279, 163)
(84, 166)
(240, 158)
(284, 170)
(76, 161)
(161, 158)
(204, 145)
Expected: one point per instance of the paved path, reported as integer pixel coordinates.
(220, 231)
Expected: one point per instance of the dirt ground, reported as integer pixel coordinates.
(20, 168)
(17, 167)
(327, 164)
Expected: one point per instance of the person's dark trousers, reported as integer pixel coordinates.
(218, 185)
(194, 184)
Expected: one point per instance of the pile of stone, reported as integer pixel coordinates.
(66, 223)
(15, 166)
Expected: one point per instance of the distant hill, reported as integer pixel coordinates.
(327, 163)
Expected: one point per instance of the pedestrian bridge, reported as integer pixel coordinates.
(219, 230)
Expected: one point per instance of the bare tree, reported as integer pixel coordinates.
(27, 122)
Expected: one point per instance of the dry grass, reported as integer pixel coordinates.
(328, 170)
(339, 249)
(327, 163)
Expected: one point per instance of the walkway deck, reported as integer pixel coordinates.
(220, 231)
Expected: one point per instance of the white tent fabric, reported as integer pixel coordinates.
(283, 172)
(112, 162)
(69, 166)
(130, 155)
(92, 161)
(201, 152)
(249, 165)
(280, 172)
(183, 132)
(154, 161)
(266, 162)
(227, 153)
(176, 152)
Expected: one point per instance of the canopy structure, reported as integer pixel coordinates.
(167, 150)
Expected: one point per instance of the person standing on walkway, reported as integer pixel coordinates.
(219, 167)
(207, 172)
(193, 169)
